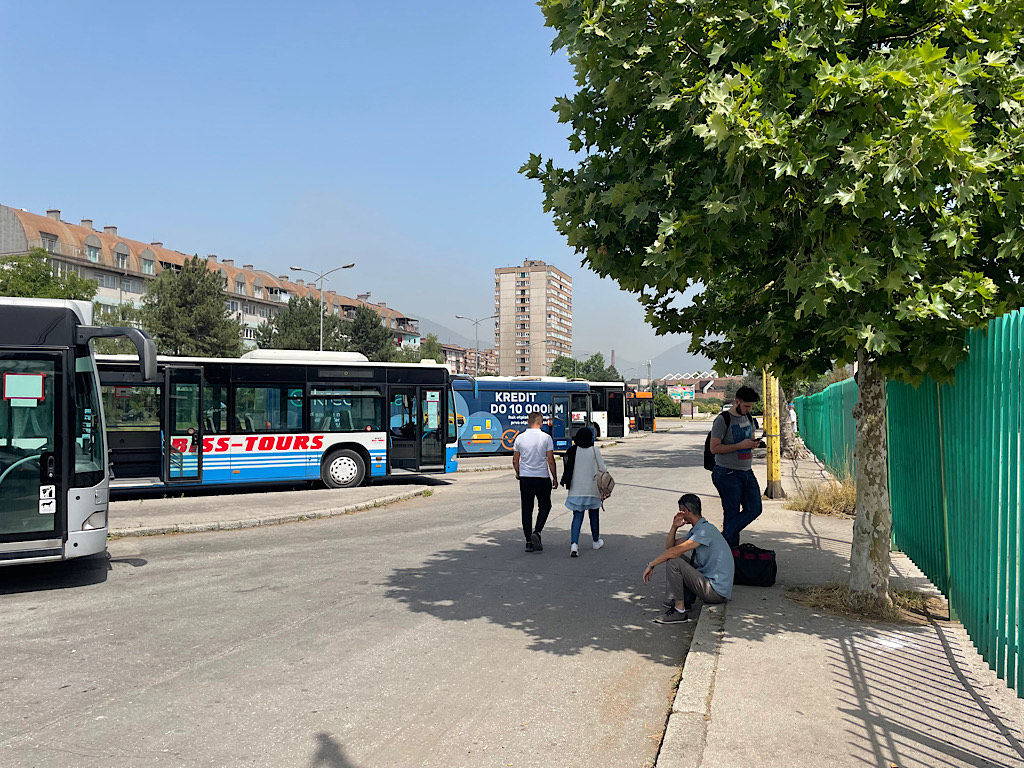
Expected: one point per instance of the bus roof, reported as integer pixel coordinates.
(497, 384)
(82, 309)
(300, 357)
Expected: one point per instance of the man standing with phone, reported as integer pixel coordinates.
(732, 442)
(533, 458)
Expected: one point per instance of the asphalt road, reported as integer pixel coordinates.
(418, 634)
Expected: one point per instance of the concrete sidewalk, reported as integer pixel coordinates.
(227, 511)
(768, 682)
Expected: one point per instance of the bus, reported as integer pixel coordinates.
(608, 408)
(276, 416)
(492, 410)
(640, 411)
(53, 451)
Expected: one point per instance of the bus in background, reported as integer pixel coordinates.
(276, 416)
(53, 452)
(608, 408)
(640, 411)
(492, 410)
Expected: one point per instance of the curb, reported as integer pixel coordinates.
(686, 731)
(234, 525)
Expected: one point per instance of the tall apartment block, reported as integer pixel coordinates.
(533, 303)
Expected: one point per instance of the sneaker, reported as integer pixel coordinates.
(670, 604)
(529, 546)
(574, 550)
(535, 540)
(673, 617)
(599, 543)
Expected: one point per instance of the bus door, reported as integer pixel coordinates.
(434, 403)
(560, 422)
(32, 484)
(183, 428)
(616, 414)
(579, 413)
(404, 428)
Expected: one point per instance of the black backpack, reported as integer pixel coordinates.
(709, 457)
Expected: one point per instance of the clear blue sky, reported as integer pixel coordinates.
(387, 133)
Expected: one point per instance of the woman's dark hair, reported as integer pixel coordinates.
(584, 437)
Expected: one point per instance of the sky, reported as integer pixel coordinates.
(310, 134)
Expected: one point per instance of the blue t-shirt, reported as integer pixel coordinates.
(713, 558)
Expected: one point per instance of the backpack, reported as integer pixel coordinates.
(605, 485)
(709, 457)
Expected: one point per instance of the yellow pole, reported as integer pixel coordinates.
(773, 490)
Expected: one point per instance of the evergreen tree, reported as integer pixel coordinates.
(298, 327)
(367, 335)
(186, 314)
(124, 315)
(32, 276)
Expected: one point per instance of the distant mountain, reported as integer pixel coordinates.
(447, 336)
(676, 359)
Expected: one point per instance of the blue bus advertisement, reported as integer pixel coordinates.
(493, 410)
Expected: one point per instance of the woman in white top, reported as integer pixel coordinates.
(582, 463)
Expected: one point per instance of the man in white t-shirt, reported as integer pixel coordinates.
(533, 458)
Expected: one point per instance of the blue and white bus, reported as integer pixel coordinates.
(608, 407)
(275, 416)
(53, 452)
(492, 410)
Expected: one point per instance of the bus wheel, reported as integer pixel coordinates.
(343, 469)
(597, 430)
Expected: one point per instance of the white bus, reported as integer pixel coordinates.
(608, 406)
(53, 451)
(276, 416)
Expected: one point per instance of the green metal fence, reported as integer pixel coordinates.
(826, 425)
(955, 483)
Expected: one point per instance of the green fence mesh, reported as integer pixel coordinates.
(955, 482)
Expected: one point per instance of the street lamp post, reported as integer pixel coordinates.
(320, 277)
(476, 337)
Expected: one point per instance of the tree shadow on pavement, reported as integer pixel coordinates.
(909, 695)
(567, 606)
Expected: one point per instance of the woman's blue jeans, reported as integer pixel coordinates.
(737, 489)
(577, 524)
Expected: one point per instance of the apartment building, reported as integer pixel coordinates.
(533, 303)
(122, 268)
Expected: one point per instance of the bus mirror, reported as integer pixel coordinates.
(143, 343)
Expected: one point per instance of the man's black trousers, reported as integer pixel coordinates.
(531, 488)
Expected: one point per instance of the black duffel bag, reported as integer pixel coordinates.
(755, 567)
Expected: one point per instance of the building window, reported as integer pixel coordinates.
(121, 259)
(92, 253)
(240, 287)
(148, 267)
(232, 306)
(50, 242)
(249, 334)
(257, 291)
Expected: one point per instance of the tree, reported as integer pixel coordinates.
(664, 405)
(186, 315)
(123, 315)
(367, 335)
(429, 349)
(563, 366)
(31, 276)
(298, 327)
(837, 182)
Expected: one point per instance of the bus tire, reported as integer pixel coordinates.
(597, 430)
(343, 469)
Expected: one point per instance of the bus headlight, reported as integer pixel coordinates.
(95, 521)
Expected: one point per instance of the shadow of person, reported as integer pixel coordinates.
(329, 754)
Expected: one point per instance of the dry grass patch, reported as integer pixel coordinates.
(835, 498)
(908, 606)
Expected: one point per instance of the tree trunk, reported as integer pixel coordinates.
(872, 528)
